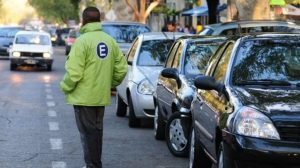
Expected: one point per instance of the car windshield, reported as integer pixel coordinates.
(154, 52)
(197, 55)
(124, 33)
(33, 39)
(271, 62)
(9, 32)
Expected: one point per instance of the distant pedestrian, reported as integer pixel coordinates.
(95, 65)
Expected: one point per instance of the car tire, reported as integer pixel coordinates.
(133, 120)
(49, 67)
(159, 125)
(198, 158)
(121, 107)
(13, 67)
(224, 160)
(177, 135)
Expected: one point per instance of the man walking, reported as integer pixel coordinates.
(95, 65)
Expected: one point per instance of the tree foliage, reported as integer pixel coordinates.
(56, 10)
(294, 2)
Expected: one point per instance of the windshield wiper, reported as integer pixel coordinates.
(266, 82)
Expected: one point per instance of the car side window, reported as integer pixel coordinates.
(177, 58)
(172, 55)
(132, 51)
(214, 59)
(228, 32)
(221, 68)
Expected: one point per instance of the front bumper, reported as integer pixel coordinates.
(143, 104)
(31, 61)
(248, 152)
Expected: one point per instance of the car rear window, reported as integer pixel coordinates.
(124, 33)
(268, 60)
(154, 52)
(206, 31)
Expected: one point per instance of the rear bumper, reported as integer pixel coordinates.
(248, 152)
(31, 61)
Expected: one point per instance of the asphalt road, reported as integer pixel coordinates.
(38, 129)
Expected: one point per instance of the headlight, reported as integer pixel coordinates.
(250, 122)
(16, 54)
(145, 87)
(46, 55)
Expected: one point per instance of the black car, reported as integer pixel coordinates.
(246, 113)
(7, 35)
(187, 58)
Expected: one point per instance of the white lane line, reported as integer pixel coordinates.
(56, 144)
(50, 97)
(53, 126)
(59, 164)
(48, 90)
(52, 113)
(50, 104)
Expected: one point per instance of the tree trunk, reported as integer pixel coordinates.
(248, 10)
(212, 11)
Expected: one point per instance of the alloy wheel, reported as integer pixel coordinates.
(177, 137)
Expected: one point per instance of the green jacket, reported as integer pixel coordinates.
(95, 65)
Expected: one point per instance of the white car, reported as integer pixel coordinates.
(145, 58)
(31, 48)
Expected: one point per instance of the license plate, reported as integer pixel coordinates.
(30, 61)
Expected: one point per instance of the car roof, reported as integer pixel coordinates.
(121, 23)
(33, 32)
(246, 23)
(264, 36)
(201, 38)
(161, 35)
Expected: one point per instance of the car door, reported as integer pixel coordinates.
(130, 57)
(164, 85)
(212, 104)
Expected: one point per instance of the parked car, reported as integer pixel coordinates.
(240, 27)
(174, 92)
(70, 40)
(61, 36)
(247, 109)
(124, 32)
(145, 60)
(7, 35)
(31, 48)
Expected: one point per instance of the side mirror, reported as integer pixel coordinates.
(171, 73)
(208, 83)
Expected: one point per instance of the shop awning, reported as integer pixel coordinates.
(201, 10)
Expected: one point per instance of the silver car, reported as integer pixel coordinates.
(145, 58)
(236, 27)
(124, 32)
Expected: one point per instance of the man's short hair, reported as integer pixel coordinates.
(91, 14)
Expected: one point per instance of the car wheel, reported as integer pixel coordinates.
(177, 135)
(159, 125)
(13, 67)
(133, 121)
(49, 67)
(198, 158)
(224, 160)
(121, 107)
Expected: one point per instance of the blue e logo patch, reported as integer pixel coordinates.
(102, 50)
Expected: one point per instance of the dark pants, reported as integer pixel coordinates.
(89, 122)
